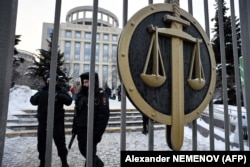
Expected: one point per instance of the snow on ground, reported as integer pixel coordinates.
(19, 100)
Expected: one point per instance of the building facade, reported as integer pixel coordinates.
(75, 42)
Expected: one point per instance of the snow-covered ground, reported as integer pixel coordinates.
(19, 100)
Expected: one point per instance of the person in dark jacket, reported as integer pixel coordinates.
(108, 91)
(101, 117)
(41, 100)
(119, 92)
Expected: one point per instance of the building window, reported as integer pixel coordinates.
(80, 15)
(88, 14)
(111, 20)
(86, 68)
(96, 68)
(99, 16)
(67, 68)
(97, 36)
(105, 17)
(49, 32)
(87, 49)
(78, 35)
(105, 53)
(97, 53)
(74, 16)
(104, 75)
(67, 50)
(105, 37)
(114, 53)
(114, 38)
(77, 51)
(68, 34)
(76, 70)
(114, 78)
(88, 35)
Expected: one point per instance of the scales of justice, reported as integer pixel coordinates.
(196, 78)
(154, 74)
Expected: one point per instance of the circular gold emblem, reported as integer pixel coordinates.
(167, 65)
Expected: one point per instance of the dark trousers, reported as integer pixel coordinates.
(82, 144)
(58, 136)
(145, 122)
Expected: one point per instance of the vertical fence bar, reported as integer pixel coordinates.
(90, 130)
(150, 135)
(194, 122)
(194, 135)
(237, 77)
(167, 1)
(150, 121)
(211, 107)
(244, 7)
(224, 74)
(51, 100)
(123, 118)
(123, 95)
(190, 6)
(211, 125)
(8, 14)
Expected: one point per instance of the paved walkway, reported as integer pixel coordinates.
(22, 152)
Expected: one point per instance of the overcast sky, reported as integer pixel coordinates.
(32, 13)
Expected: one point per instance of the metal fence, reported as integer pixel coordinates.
(8, 13)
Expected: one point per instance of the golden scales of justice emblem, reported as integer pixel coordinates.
(156, 78)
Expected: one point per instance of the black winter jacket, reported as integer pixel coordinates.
(41, 99)
(101, 111)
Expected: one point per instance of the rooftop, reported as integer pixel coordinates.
(83, 15)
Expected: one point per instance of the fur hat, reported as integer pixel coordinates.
(85, 76)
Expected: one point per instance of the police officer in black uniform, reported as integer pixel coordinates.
(41, 99)
(101, 117)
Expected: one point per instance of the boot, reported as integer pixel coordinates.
(99, 162)
(145, 130)
(64, 162)
(42, 164)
